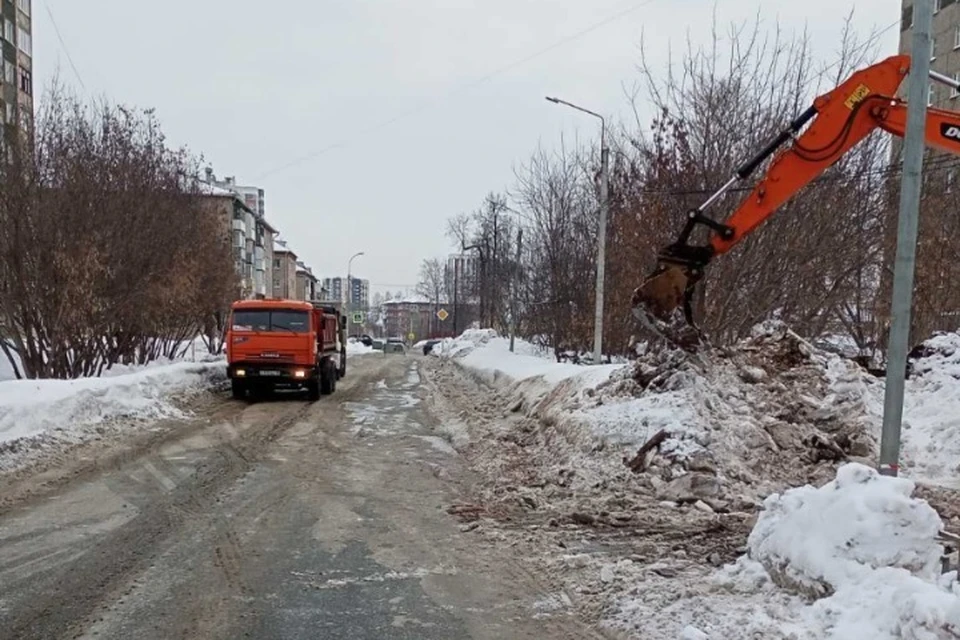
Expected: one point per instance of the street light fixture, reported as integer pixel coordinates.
(346, 297)
(602, 232)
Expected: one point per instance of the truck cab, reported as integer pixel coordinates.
(275, 343)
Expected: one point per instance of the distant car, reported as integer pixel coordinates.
(395, 345)
(377, 344)
(366, 340)
(428, 347)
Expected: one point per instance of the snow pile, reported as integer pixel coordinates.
(359, 349)
(854, 559)
(36, 414)
(867, 549)
(816, 540)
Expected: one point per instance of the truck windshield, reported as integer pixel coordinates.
(270, 320)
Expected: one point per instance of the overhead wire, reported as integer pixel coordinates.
(426, 104)
(63, 44)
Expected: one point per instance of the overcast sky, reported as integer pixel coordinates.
(264, 90)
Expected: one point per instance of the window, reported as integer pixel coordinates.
(25, 6)
(931, 95)
(271, 320)
(26, 81)
(276, 263)
(9, 113)
(8, 32)
(9, 74)
(24, 42)
(933, 49)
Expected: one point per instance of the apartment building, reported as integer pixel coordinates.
(306, 283)
(284, 271)
(16, 55)
(944, 49)
(253, 236)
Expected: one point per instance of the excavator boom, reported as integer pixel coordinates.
(838, 121)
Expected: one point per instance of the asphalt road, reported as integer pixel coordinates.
(280, 519)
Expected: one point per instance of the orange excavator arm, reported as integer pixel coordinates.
(837, 120)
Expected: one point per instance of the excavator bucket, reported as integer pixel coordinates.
(661, 304)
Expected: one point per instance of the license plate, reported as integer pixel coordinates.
(270, 373)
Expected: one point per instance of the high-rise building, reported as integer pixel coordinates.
(16, 75)
(335, 288)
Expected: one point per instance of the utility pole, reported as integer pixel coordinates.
(349, 290)
(513, 298)
(456, 292)
(601, 231)
(601, 254)
(910, 186)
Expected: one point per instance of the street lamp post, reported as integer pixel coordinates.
(346, 297)
(602, 231)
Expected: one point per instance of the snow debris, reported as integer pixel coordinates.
(684, 463)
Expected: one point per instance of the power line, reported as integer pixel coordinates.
(63, 44)
(482, 79)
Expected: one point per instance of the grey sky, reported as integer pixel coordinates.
(254, 85)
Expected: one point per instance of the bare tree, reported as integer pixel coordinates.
(106, 256)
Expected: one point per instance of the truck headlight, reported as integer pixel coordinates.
(299, 373)
(240, 372)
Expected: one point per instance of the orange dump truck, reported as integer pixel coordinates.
(274, 344)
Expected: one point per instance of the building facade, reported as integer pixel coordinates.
(16, 52)
(253, 236)
(944, 49)
(284, 271)
(306, 288)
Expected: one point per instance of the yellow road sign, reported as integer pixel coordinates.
(443, 315)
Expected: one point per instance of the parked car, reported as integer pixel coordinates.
(366, 340)
(428, 346)
(395, 345)
(377, 344)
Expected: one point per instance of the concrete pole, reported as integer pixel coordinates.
(513, 298)
(910, 186)
(346, 297)
(601, 252)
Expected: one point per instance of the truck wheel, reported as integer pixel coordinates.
(238, 389)
(313, 390)
(326, 381)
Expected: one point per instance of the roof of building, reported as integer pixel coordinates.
(280, 246)
(415, 298)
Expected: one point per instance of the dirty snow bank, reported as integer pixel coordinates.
(38, 415)
(733, 416)
(856, 558)
(488, 355)
(931, 412)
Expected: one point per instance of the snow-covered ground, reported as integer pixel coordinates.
(38, 416)
(740, 425)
